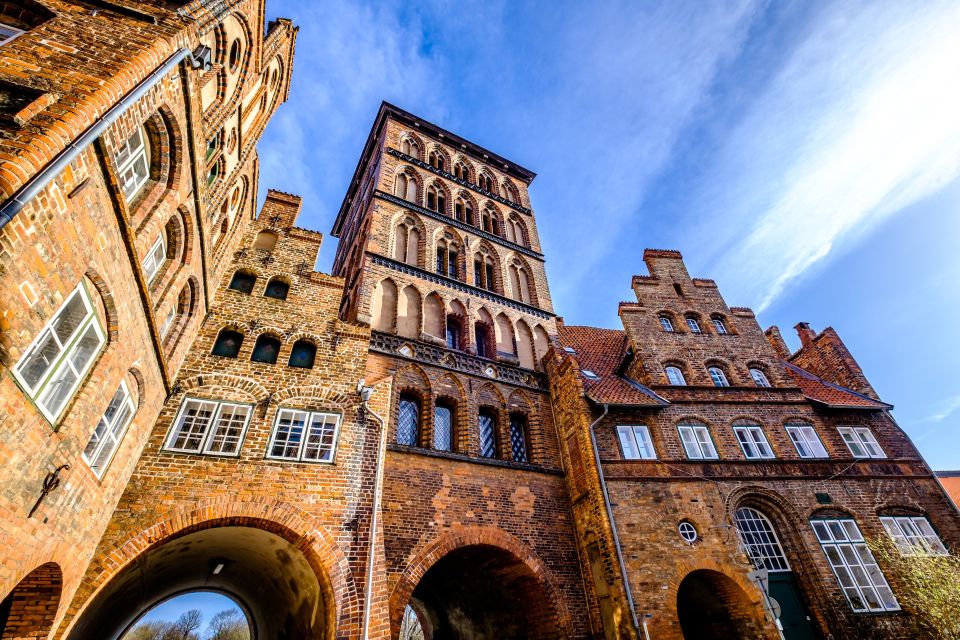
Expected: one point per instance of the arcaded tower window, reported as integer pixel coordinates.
(303, 354)
(277, 288)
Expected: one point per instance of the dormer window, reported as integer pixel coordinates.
(666, 323)
(718, 376)
(590, 375)
(570, 350)
(693, 324)
(8, 33)
(675, 376)
(759, 377)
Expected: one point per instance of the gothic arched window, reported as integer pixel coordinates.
(518, 437)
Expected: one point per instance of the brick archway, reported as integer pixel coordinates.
(496, 541)
(28, 612)
(710, 604)
(295, 526)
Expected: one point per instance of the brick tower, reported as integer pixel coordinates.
(440, 254)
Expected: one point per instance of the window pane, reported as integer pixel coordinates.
(321, 437)
(289, 434)
(645, 443)
(690, 443)
(518, 439)
(488, 440)
(628, 443)
(442, 429)
(40, 359)
(71, 316)
(408, 422)
(229, 429)
(195, 419)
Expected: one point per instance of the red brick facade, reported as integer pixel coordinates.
(188, 405)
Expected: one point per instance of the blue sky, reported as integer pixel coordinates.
(806, 155)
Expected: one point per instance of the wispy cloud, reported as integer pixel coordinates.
(858, 124)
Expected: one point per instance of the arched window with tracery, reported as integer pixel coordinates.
(410, 147)
(463, 210)
(485, 182)
(447, 258)
(436, 160)
(484, 272)
(405, 186)
(461, 171)
(436, 199)
(406, 243)
(760, 541)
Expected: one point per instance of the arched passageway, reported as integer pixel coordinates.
(482, 592)
(273, 579)
(711, 605)
(27, 612)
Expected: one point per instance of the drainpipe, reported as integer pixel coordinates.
(613, 527)
(15, 203)
(365, 393)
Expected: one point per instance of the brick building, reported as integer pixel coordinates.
(189, 405)
(715, 477)
(128, 171)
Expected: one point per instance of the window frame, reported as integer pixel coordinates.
(693, 325)
(916, 543)
(666, 323)
(13, 32)
(630, 433)
(762, 536)
(799, 427)
(720, 326)
(523, 421)
(752, 430)
(110, 434)
(670, 381)
(697, 426)
(151, 264)
(858, 549)
(418, 415)
(856, 432)
(449, 407)
(168, 321)
(208, 432)
(720, 381)
(304, 437)
(130, 189)
(66, 349)
(764, 382)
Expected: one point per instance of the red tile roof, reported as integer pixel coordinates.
(601, 351)
(832, 395)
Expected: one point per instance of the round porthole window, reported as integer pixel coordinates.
(235, 54)
(687, 531)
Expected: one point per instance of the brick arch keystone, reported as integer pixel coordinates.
(449, 541)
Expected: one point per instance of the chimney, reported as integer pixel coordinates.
(777, 342)
(806, 334)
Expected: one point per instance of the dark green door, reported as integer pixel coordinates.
(794, 619)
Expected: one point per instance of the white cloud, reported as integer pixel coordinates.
(860, 123)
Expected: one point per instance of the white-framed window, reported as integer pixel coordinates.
(168, 319)
(697, 442)
(666, 324)
(133, 163)
(675, 376)
(719, 326)
(636, 443)
(759, 378)
(760, 540)
(109, 432)
(307, 436)
(718, 376)
(687, 531)
(155, 258)
(861, 442)
(8, 33)
(753, 442)
(854, 566)
(61, 355)
(209, 427)
(693, 324)
(913, 535)
(806, 440)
